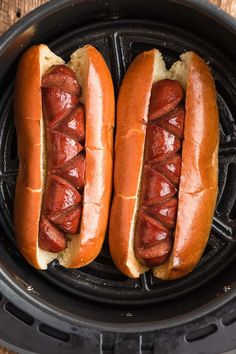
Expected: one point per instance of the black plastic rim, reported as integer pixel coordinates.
(9, 284)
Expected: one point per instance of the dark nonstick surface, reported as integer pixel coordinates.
(99, 295)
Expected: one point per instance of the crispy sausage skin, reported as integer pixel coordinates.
(64, 116)
(159, 190)
(166, 166)
(64, 121)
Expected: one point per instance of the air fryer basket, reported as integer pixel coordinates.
(72, 305)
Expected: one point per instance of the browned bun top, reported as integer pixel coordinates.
(132, 111)
(27, 109)
(199, 172)
(98, 96)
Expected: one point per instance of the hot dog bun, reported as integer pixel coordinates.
(98, 98)
(199, 170)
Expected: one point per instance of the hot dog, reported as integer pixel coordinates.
(166, 166)
(64, 116)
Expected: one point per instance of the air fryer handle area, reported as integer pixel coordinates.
(198, 336)
(125, 343)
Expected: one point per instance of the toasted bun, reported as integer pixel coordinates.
(98, 97)
(199, 171)
(30, 143)
(132, 113)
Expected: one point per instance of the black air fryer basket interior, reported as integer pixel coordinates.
(96, 309)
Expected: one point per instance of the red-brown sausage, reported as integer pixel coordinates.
(61, 148)
(155, 244)
(59, 195)
(65, 126)
(165, 96)
(173, 121)
(161, 174)
(155, 187)
(164, 212)
(50, 238)
(74, 171)
(74, 124)
(69, 220)
(159, 143)
(62, 78)
(169, 168)
(57, 105)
